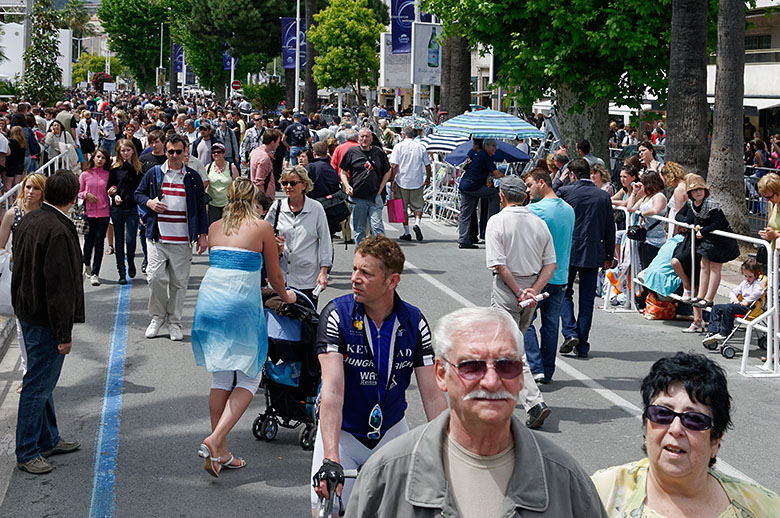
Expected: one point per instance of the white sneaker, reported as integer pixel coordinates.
(154, 327)
(174, 331)
(94, 281)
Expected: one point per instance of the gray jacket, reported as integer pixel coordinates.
(405, 478)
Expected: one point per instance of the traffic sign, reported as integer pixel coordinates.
(236, 85)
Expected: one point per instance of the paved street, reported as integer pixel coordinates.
(149, 466)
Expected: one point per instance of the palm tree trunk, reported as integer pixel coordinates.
(310, 88)
(726, 168)
(289, 89)
(687, 109)
(455, 94)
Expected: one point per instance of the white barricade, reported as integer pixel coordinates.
(766, 322)
(629, 306)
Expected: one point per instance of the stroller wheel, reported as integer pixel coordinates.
(728, 352)
(257, 426)
(306, 437)
(269, 429)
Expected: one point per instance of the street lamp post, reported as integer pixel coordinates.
(297, 54)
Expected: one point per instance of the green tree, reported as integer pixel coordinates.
(345, 38)
(75, 16)
(42, 79)
(265, 97)
(586, 52)
(133, 28)
(95, 63)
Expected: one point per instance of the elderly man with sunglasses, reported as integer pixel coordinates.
(172, 204)
(369, 343)
(477, 459)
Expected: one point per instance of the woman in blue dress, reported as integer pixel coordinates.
(228, 332)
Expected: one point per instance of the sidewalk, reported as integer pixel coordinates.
(7, 332)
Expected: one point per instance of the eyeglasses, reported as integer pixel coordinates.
(476, 369)
(691, 420)
(258, 120)
(175, 151)
(291, 183)
(217, 152)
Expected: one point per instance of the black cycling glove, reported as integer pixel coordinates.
(329, 470)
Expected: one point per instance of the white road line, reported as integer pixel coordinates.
(589, 382)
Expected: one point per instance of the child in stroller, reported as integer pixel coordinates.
(292, 372)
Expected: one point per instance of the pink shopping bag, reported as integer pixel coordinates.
(395, 211)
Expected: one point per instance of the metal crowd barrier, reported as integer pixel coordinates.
(441, 197)
(766, 322)
(55, 163)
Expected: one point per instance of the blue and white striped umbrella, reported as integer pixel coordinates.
(489, 124)
(442, 143)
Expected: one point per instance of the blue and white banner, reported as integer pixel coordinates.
(226, 60)
(178, 57)
(401, 19)
(288, 43)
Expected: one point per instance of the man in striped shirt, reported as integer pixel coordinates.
(173, 206)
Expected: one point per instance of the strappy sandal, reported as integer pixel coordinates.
(110, 250)
(212, 463)
(229, 463)
(703, 303)
(694, 328)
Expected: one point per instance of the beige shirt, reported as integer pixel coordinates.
(478, 483)
(519, 240)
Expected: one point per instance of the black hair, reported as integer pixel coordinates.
(175, 138)
(61, 188)
(580, 167)
(584, 145)
(704, 381)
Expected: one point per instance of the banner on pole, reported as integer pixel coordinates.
(288, 43)
(393, 68)
(178, 57)
(426, 54)
(401, 19)
(226, 60)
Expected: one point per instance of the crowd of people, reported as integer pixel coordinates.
(185, 176)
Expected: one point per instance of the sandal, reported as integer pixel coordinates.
(110, 250)
(703, 303)
(694, 328)
(229, 463)
(687, 297)
(212, 463)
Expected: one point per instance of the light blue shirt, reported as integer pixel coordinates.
(559, 217)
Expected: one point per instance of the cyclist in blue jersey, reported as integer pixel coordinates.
(369, 343)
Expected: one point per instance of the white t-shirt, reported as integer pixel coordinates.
(519, 240)
(411, 158)
(109, 132)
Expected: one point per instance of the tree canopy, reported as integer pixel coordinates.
(42, 75)
(75, 16)
(133, 28)
(345, 38)
(95, 63)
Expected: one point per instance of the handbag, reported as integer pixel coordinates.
(6, 308)
(639, 233)
(336, 210)
(395, 210)
(78, 214)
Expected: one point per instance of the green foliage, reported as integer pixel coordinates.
(265, 97)
(600, 50)
(42, 76)
(133, 27)
(345, 38)
(9, 88)
(75, 16)
(249, 27)
(95, 63)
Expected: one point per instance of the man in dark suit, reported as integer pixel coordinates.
(593, 243)
(48, 298)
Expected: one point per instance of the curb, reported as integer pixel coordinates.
(7, 331)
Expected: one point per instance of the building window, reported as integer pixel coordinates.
(758, 41)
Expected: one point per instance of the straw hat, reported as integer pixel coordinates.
(695, 182)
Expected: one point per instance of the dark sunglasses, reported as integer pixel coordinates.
(691, 420)
(175, 151)
(291, 183)
(258, 120)
(476, 369)
(217, 152)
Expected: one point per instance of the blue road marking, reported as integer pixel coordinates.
(107, 444)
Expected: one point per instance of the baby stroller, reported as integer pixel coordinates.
(291, 375)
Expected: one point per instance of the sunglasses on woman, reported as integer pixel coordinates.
(695, 421)
(476, 369)
(217, 152)
(291, 183)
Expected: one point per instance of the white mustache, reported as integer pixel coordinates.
(484, 394)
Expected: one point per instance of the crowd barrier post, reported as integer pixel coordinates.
(770, 368)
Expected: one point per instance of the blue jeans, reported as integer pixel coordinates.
(36, 424)
(722, 317)
(108, 145)
(125, 227)
(579, 326)
(294, 150)
(363, 210)
(541, 360)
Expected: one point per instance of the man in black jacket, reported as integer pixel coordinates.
(592, 247)
(48, 298)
